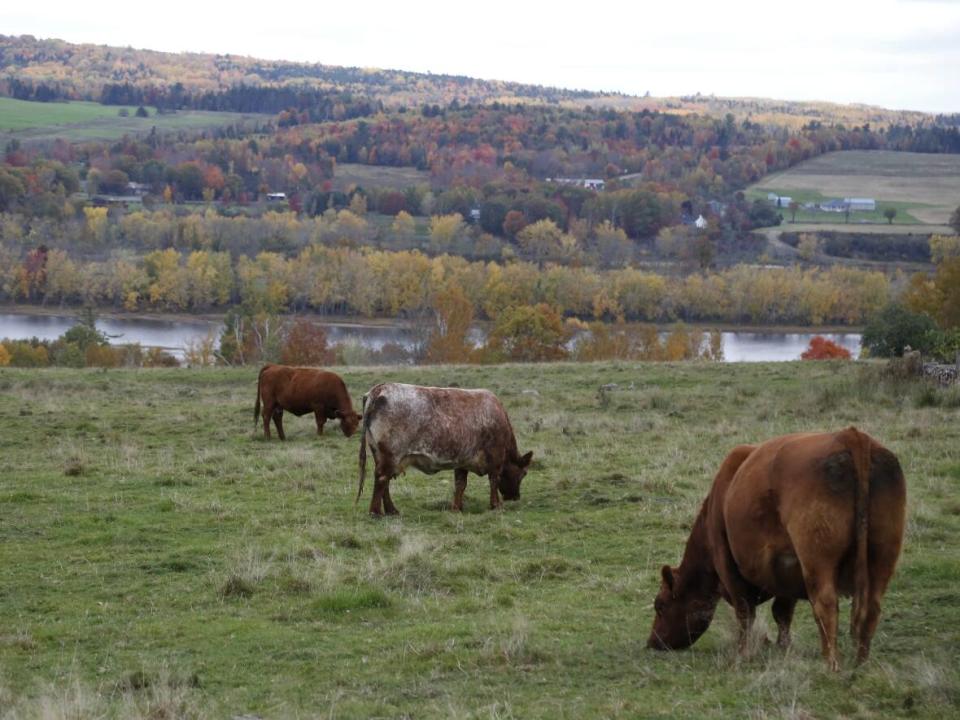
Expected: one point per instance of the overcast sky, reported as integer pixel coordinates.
(895, 53)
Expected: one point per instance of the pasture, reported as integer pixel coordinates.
(85, 121)
(347, 175)
(159, 559)
(924, 188)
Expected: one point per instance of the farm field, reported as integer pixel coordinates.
(924, 188)
(81, 121)
(159, 559)
(377, 176)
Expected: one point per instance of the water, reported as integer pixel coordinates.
(173, 335)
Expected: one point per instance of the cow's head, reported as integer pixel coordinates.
(513, 473)
(683, 611)
(349, 421)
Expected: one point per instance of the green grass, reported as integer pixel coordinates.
(903, 217)
(80, 121)
(159, 559)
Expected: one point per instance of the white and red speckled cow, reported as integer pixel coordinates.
(434, 429)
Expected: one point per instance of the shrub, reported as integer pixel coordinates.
(895, 327)
(4, 356)
(822, 349)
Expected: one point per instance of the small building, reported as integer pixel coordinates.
(780, 201)
(597, 184)
(276, 197)
(700, 222)
(861, 204)
(116, 200)
(834, 206)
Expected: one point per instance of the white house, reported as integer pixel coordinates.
(700, 222)
(863, 204)
(781, 201)
(276, 196)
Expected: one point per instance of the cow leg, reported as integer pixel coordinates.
(883, 559)
(783, 615)
(376, 502)
(278, 421)
(266, 413)
(388, 505)
(746, 612)
(494, 492)
(321, 419)
(459, 487)
(823, 598)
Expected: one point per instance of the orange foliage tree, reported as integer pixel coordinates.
(306, 344)
(822, 349)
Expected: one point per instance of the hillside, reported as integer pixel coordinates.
(49, 69)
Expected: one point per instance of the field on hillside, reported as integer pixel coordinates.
(377, 176)
(924, 187)
(81, 121)
(160, 560)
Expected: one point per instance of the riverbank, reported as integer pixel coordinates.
(347, 321)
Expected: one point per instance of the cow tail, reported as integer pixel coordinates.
(256, 405)
(860, 448)
(363, 450)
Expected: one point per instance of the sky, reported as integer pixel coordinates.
(900, 54)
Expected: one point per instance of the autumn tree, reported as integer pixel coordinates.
(611, 245)
(543, 241)
(529, 333)
(445, 231)
(305, 343)
(449, 340)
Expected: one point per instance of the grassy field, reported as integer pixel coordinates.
(377, 176)
(923, 187)
(158, 560)
(80, 121)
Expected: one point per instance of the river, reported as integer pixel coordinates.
(174, 334)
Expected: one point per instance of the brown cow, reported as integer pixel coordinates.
(435, 429)
(805, 516)
(303, 390)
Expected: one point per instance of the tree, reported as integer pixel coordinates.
(449, 336)
(612, 247)
(955, 220)
(305, 344)
(890, 213)
(4, 356)
(543, 241)
(445, 230)
(529, 333)
(895, 327)
(808, 247)
(793, 206)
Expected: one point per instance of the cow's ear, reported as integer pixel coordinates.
(525, 459)
(666, 572)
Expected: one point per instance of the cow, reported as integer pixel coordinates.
(434, 429)
(810, 516)
(302, 390)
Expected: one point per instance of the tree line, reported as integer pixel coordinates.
(373, 283)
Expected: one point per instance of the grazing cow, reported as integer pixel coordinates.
(805, 516)
(435, 429)
(303, 390)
